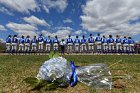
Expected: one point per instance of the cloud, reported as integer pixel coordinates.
(23, 6)
(22, 29)
(79, 32)
(6, 11)
(67, 20)
(111, 17)
(2, 28)
(59, 5)
(35, 21)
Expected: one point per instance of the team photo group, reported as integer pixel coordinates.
(98, 44)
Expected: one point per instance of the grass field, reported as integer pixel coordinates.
(13, 69)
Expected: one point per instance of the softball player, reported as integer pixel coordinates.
(34, 44)
(21, 44)
(14, 43)
(125, 45)
(118, 42)
(69, 44)
(40, 43)
(83, 44)
(77, 44)
(8, 43)
(98, 41)
(55, 44)
(105, 44)
(131, 43)
(27, 43)
(91, 44)
(48, 44)
(111, 43)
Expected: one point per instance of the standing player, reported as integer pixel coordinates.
(98, 41)
(91, 44)
(62, 45)
(69, 45)
(111, 44)
(21, 44)
(118, 42)
(125, 45)
(105, 44)
(77, 44)
(48, 44)
(34, 44)
(83, 45)
(131, 43)
(40, 43)
(27, 44)
(8, 44)
(55, 44)
(14, 44)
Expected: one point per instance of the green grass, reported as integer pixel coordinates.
(13, 69)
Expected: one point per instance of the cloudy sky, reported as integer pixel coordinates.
(75, 17)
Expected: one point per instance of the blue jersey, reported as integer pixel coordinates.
(98, 39)
(40, 39)
(77, 40)
(55, 41)
(91, 40)
(118, 40)
(27, 40)
(48, 41)
(34, 41)
(110, 40)
(8, 40)
(83, 41)
(69, 40)
(21, 41)
(125, 41)
(15, 40)
(104, 40)
(131, 41)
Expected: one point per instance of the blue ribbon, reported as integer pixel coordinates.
(73, 77)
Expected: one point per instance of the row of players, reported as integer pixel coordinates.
(91, 44)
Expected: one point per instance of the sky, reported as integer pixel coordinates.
(70, 17)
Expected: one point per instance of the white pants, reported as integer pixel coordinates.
(111, 46)
(69, 47)
(27, 47)
(98, 45)
(21, 47)
(40, 46)
(48, 47)
(91, 46)
(118, 46)
(34, 46)
(125, 47)
(8, 45)
(83, 48)
(14, 46)
(55, 47)
(105, 46)
(77, 48)
(131, 47)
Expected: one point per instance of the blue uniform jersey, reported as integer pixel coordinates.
(21, 41)
(27, 40)
(118, 40)
(131, 41)
(104, 40)
(110, 40)
(34, 41)
(48, 41)
(15, 40)
(40, 39)
(69, 40)
(83, 41)
(91, 40)
(77, 40)
(125, 41)
(98, 39)
(55, 41)
(8, 40)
